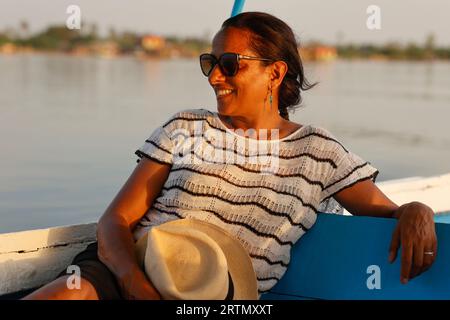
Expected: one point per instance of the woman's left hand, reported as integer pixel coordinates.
(416, 234)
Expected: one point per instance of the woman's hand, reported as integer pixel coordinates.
(416, 234)
(414, 231)
(136, 286)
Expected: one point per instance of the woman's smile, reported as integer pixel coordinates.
(222, 93)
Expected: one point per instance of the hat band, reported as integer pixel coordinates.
(230, 293)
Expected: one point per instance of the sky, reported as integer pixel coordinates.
(329, 21)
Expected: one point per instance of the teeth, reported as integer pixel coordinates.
(223, 92)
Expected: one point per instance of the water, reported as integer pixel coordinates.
(69, 126)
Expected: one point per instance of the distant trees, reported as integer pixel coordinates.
(55, 38)
(87, 39)
(4, 39)
(128, 41)
(396, 51)
(60, 38)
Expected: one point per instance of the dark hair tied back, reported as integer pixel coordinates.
(274, 39)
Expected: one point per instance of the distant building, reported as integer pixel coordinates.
(105, 49)
(153, 43)
(81, 50)
(318, 53)
(8, 48)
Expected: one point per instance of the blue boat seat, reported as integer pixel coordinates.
(338, 259)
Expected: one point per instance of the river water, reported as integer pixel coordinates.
(69, 126)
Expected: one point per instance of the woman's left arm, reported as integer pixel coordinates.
(415, 230)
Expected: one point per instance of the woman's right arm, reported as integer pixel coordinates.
(114, 231)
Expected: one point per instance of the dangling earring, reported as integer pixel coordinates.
(270, 97)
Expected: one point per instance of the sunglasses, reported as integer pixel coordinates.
(228, 63)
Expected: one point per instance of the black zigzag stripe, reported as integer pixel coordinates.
(247, 226)
(193, 119)
(236, 152)
(158, 146)
(372, 177)
(296, 175)
(269, 211)
(249, 187)
(317, 135)
(223, 130)
(141, 154)
(347, 175)
(268, 279)
(269, 261)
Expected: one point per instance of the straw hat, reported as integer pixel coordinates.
(188, 259)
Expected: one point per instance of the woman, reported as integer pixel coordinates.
(268, 204)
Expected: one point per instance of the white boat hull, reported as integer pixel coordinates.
(432, 191)
(30, 259)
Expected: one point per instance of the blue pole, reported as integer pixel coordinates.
(237, 7)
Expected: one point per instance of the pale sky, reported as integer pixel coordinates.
(401, 20)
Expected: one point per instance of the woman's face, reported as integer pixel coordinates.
(251, 83)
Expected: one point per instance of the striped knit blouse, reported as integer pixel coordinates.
(264, 192)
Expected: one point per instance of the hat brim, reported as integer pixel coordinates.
(239, 263)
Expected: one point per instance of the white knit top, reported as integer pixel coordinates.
(264, 192)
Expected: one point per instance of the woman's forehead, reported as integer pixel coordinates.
(231, 40)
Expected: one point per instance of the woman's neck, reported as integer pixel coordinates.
(263, 125)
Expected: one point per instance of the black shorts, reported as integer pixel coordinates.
(97, 273)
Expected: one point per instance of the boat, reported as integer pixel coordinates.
(321, 267)
(346, 258)
(341, 257)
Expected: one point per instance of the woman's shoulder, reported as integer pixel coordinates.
(308, 130)
(186, 117)
(321, 131)
(199, 112)
(318, 137)
(327, 138)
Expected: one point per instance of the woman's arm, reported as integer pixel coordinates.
(415, 230)
(114, 232)
(365, 199)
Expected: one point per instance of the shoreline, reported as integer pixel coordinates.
(144, 57)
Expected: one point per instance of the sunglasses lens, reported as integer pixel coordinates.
(229, 64)
(207, 63)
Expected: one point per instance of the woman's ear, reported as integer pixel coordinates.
(279, 70)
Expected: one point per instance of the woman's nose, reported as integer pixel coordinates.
(216, 75)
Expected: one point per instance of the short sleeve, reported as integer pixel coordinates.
(349, 170)
(158, 147)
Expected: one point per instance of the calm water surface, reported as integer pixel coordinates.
(69, 126)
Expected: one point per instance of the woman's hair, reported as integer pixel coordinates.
(273, 39)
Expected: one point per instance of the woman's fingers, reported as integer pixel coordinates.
(424, 254)
(418, 259)
(416, 230)
(429, 258)
(395, 243)
(407, 260)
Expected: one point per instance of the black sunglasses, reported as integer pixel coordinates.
(228, 63)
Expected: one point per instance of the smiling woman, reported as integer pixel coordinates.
(264, 194)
